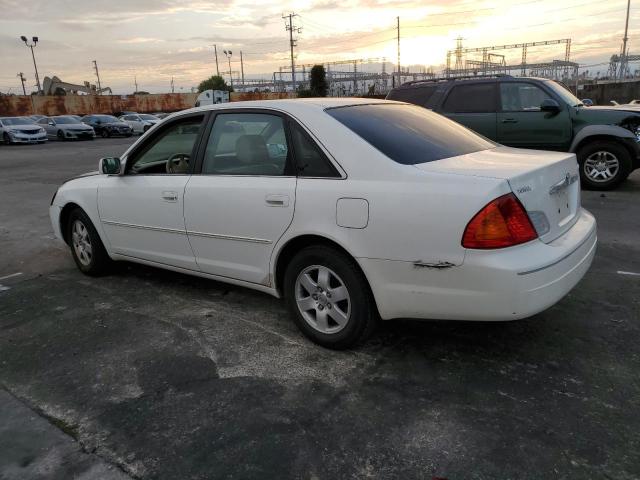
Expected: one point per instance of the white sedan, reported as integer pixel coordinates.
(352, 210)
(140, 122)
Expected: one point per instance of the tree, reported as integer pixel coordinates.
(216, 82)
(318, 81)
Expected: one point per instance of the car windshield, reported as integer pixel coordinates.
(106, 118)
(17, 121)
(565, 94)
(148, 117)
(64, 120)
(409, 134)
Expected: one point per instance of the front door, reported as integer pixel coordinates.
(243, 200)
(142, 210)
(522, 124)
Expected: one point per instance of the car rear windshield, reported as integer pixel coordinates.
(409, 134)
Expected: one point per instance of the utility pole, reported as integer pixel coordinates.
(290, 27)
(95, 67)
(623, 57)
(35, 41)
(241, 69)
(215, 50)
(22, 79)
(173, 90)
(398, 28)
(135, 80)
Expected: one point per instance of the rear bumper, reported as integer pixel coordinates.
(493, 285)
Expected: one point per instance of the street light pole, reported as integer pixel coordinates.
(228, 53)
(35, 41)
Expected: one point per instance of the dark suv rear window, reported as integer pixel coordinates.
(408, 134)
(416, 95)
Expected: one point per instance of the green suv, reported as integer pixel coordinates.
(527, 112)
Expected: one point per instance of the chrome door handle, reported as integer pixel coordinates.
(509, 120)
(277, 200)
(170, 196)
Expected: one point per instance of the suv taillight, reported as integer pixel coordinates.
(502, 223)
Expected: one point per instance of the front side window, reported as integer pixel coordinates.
(471, 98)
(409, 134)
(170, 151)
(521, 97)
(246, 144)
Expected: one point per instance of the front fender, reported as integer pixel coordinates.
(600, 130)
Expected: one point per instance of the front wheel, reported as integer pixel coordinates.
(105, 134)
(604, 164)
(86, 247)
(329, 297)
(6, 139)
(60, 135)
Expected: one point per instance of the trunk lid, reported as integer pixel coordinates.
(546, 183)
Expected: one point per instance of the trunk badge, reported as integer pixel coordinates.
(564, 183)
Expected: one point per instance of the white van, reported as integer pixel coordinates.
(210, 97)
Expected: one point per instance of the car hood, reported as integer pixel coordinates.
(114, 124)
(74, 126)
(607, 115)
(33, 128)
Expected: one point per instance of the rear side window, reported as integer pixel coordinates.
(409, 134)
(416, 95)
(471, 98)
(311, 160)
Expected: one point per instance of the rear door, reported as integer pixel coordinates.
(522, 124)
(473, 105)
(243, 200)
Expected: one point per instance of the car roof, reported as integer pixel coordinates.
(309, 104)
(454, 80)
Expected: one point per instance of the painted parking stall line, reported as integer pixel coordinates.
(620, 272)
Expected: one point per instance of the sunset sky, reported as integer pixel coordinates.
(154, 40)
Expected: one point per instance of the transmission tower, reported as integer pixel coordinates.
(291, 28)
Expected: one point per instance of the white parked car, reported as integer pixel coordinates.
(350, 209)
(21, 130)
(66, 127)
(140, 122)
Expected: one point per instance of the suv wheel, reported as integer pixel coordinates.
(329, 297)
(603, 165)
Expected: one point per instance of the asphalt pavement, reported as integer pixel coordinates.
(151, 374)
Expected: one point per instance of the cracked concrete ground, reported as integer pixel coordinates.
(151, 374)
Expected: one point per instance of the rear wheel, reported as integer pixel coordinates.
(86, 247)
(604, 164)
(329, 297)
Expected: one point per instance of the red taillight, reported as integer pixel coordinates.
(502, 223)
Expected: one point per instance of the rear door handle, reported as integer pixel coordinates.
(274, 200)
(170, 196)
(509, 120)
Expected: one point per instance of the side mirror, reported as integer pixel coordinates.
(550, 105)
(52, 123)
(109, 166)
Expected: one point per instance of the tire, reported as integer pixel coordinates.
(105, 134)
(86, 247)
(604, 164)
(6, 139)
(355, 310)
(61, 135)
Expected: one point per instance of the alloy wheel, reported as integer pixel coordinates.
(601, 166)
(323, 299)
(82, 243)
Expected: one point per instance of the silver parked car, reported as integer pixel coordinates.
(21, 130)
(66, 127)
